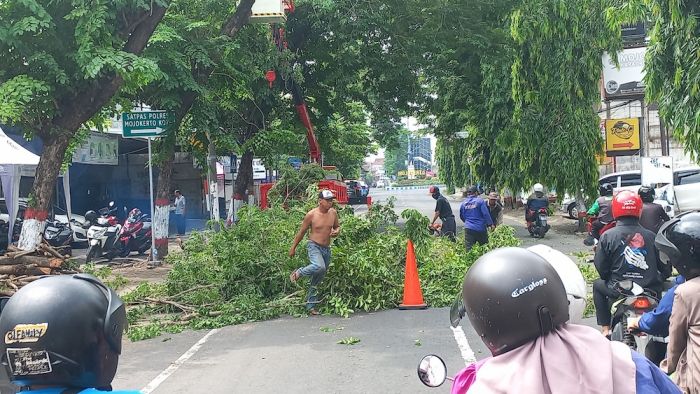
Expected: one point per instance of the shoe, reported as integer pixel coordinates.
(313, 312)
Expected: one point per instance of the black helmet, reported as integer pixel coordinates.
(646, 193)
(678, 242)
(91, 216)
(513, 296)
(606, 189)
(62, 330)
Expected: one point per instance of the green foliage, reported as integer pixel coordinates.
(241, 274)
(113, 280)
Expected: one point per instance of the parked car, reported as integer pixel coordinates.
(683, 196)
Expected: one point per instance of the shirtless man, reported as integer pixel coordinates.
(323, 222)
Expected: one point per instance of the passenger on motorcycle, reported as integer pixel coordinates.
(679, 243)
(535, 201)
(653, 215)
(626, 251)
(517, 304)
(602, 210)
(63, 334)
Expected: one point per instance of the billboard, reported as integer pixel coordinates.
(622, 136)
(628, 80)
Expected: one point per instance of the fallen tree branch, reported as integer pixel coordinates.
(183, 308)
(200, 287)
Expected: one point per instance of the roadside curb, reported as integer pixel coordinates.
(412, 187)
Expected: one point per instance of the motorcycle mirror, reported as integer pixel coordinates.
(111, 204)
(458, 310)
(432, 371)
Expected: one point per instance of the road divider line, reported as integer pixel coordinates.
(174, 366)
(463, 345)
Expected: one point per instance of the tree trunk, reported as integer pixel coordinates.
(161, 217)
(44, 183)
(245, 175)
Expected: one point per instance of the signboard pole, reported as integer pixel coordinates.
(154, 253)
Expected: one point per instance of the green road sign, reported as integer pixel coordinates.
(146, 124)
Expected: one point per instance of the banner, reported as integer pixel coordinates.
(98, 149)
(657, 170)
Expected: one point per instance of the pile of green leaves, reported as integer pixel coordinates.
(241, 274)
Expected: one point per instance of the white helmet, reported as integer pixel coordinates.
(538, 187)
(570, 275)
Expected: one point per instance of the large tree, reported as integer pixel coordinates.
(188, 46)
(64, 62)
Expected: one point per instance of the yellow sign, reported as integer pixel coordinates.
(622, 135)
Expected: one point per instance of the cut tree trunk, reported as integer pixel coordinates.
(21, 269)
(38, 261)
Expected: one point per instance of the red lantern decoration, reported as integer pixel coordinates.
(270, 76)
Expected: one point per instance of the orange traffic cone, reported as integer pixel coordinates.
(412, 294)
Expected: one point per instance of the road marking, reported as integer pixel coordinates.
(174, 366)
(463, 344)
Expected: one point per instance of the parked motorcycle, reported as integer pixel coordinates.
(135, 234)
(59, 235)
(537, 224)
(103, 233)
(632, 303)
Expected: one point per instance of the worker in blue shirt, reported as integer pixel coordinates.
(63, 335)
(476, 217)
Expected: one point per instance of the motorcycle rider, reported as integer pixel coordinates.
(626, 251)
(602, 210)
(517, 305)
(443, 210)
(679, 243)
(653, 215)
(535, 201)
(63, 334)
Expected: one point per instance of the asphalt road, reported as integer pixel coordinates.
(302, 355)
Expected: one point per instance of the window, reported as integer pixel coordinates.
(688, 177)
(631, 180)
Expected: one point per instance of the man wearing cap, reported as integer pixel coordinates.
(477, 220)
(323, 222)
(443, 210)
(495, 209)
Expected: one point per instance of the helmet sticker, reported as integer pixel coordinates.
(25, 333)
(532, 286)
(28, 361)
